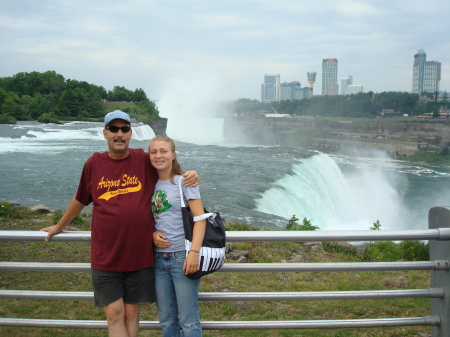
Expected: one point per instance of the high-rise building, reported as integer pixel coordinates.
(345, 82)
(294, 90)
(354, 89)
(426, 74)
(329, 77)
(432, 76)
(288, 89)
(270, 90)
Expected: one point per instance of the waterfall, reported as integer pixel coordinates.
(143, 132)
(318, 190)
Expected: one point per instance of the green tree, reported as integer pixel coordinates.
(376, 226)
(11, 105)
(120, 94)
(48, 118)
(292, 223)
(306, 225)
(139, 95)
(145, 111)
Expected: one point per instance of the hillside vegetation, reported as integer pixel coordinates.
(50, 98)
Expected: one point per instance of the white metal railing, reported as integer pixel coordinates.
(438, 235)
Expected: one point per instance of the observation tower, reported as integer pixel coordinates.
(311, 80)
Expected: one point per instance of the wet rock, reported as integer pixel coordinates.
(41, 209)
(297, 259)
(239, 256)
(315, 247)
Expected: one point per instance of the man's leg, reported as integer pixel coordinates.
(123, 319)
(132, 319)
(116, 288)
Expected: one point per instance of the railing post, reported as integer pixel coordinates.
(439, 217)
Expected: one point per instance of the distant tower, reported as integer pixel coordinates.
(329, 77)
(311, 78)
(426, 74)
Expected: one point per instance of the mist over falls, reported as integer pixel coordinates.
(191, 118)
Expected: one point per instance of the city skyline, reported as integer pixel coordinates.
(186, 51)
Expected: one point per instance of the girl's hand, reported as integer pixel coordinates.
(191, 264)
(160, 240)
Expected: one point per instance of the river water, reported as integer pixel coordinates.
(263, 186)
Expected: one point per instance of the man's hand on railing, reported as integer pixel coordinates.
(73, 209)
(52, 230)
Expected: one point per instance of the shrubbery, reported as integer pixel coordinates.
(390, 251)
(12, 211)
(306, 225)
(78, 220)
(7, 119)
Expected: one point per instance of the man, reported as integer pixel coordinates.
(120, 184)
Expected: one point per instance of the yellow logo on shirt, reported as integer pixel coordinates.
(122, 185)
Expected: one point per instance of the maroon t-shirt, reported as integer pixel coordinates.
(122, 222)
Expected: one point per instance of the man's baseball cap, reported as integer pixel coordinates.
(116, 114)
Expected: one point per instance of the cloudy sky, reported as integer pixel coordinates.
(222, 49)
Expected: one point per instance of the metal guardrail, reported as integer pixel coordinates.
(245, 296)
(438, 235)
(254, 267)
(236, 325)
(261, 236)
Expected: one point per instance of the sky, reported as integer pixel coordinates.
(221, 50)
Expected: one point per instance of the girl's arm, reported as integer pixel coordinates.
(191, 264)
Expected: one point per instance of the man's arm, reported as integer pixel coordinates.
(73, 209)
(191, 178)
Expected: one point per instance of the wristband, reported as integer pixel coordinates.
(195, 251)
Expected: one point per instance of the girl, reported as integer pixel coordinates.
(176, 294)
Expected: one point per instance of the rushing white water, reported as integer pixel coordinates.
(143, 132)
(318, 190)
(264, 186)
(49, 138)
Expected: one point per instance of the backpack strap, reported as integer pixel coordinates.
(181, 192)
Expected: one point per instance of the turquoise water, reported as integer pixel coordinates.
(263, 186)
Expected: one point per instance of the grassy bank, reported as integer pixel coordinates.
(442, 158)
(24, 219)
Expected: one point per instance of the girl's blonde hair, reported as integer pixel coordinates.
(176, 167)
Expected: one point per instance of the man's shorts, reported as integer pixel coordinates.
(133, 286)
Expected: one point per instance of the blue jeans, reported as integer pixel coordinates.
(176, 296)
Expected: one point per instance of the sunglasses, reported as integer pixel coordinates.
(116, 129)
